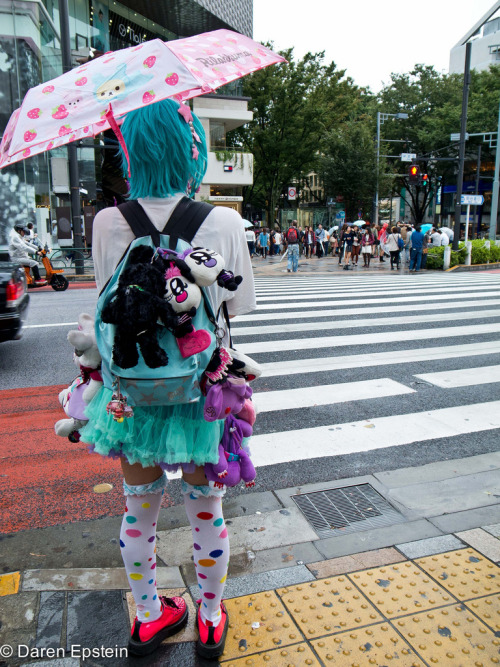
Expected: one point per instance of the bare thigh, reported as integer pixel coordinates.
(135, 474)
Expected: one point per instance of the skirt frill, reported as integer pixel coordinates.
(167, 435)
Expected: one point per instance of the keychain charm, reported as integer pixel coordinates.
(118, 406)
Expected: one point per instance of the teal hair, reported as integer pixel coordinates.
(160, 148)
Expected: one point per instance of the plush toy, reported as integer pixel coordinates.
(184, 297)
(226, 398)
(203, 267)
(234, 464)
(135, 310)
(230, 400)
(75, 398)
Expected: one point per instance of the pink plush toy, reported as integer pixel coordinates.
(228, 400)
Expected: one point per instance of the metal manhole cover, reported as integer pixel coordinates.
(349, 509)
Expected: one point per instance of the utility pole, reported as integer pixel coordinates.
(494, 194)
(74, 179)
(461, 156)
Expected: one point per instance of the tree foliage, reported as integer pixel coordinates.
(294, 105)
(348, 166)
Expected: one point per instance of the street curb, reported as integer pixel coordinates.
(474, 267)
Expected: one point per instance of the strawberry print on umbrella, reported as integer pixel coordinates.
(99, 94)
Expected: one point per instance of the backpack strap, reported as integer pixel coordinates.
(138, 221)
(185, 221)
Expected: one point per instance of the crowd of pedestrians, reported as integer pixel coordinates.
(401, 244)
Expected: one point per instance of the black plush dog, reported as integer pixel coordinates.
(136, 309)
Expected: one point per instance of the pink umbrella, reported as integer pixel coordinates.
(99, 94)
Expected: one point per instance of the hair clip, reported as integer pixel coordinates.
(185, 112)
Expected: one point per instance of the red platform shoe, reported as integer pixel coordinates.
(147, 636)
(212, 639)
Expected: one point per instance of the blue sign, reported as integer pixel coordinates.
(340, 216)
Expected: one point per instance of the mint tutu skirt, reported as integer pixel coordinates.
(167, 436)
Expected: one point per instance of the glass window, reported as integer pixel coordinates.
(217, 135)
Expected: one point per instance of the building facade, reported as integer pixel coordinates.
(37, 189)
(485, 39)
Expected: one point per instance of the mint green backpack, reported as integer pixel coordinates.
(179, 381)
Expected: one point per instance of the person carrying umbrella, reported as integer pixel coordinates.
(163, 167)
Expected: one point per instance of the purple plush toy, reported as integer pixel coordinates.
(224, 401)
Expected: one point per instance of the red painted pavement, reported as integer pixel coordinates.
(46, 480)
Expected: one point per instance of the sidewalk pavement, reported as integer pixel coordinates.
(403, 568)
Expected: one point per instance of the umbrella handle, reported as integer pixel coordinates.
(116, 129)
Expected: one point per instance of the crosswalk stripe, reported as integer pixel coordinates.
(386, 358)
(313, 293)
(290, 399)
(464, 377)
(360, 302)
(376, 433)
(369, 287)
(325, 342)
(376, 322)
(369, 310)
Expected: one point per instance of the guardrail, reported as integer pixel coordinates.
(69, 258)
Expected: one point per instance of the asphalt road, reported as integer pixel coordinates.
(455, 326)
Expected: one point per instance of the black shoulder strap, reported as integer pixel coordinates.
(138, 220)
(185, 221)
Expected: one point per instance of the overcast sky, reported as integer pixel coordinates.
(369, 38)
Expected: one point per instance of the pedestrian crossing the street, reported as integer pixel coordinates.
(355, 366)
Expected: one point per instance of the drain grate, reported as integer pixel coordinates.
(349, 509)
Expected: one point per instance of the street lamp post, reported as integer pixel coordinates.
(381, 118)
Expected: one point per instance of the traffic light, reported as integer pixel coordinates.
(424, 180)
(414, 174)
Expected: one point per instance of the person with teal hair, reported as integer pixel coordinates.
(165, 152)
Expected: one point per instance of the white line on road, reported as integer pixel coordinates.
(377, 433)
(364, 323)
(313, 293)
(383, 337)
(362, 302)
(464, 377)
(55, 324)
(434, 286)
(329, 394)
(339, 312)
(419, 355)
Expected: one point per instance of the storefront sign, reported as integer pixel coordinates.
(219, 198)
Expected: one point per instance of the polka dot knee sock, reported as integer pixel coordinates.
(137, 542)
(211, 551)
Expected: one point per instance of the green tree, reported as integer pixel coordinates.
(293, 104)
(348, 166)
(433, 103)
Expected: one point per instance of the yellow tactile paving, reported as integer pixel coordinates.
(465, 573)
(9, 583)
(298, 655)
(327, 606)
(488, 609)
(450, 636)
(258, 623)
(377, 645)
(400, 589)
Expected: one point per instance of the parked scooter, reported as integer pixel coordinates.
(54, 277)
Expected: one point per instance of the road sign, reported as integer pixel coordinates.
(292, 194)
(472, 200)
(340, 216)
(408, 157)
(456, 136)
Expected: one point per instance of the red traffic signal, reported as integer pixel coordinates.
(414, 174)
(424, 180)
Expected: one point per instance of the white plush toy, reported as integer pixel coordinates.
(82, 390)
